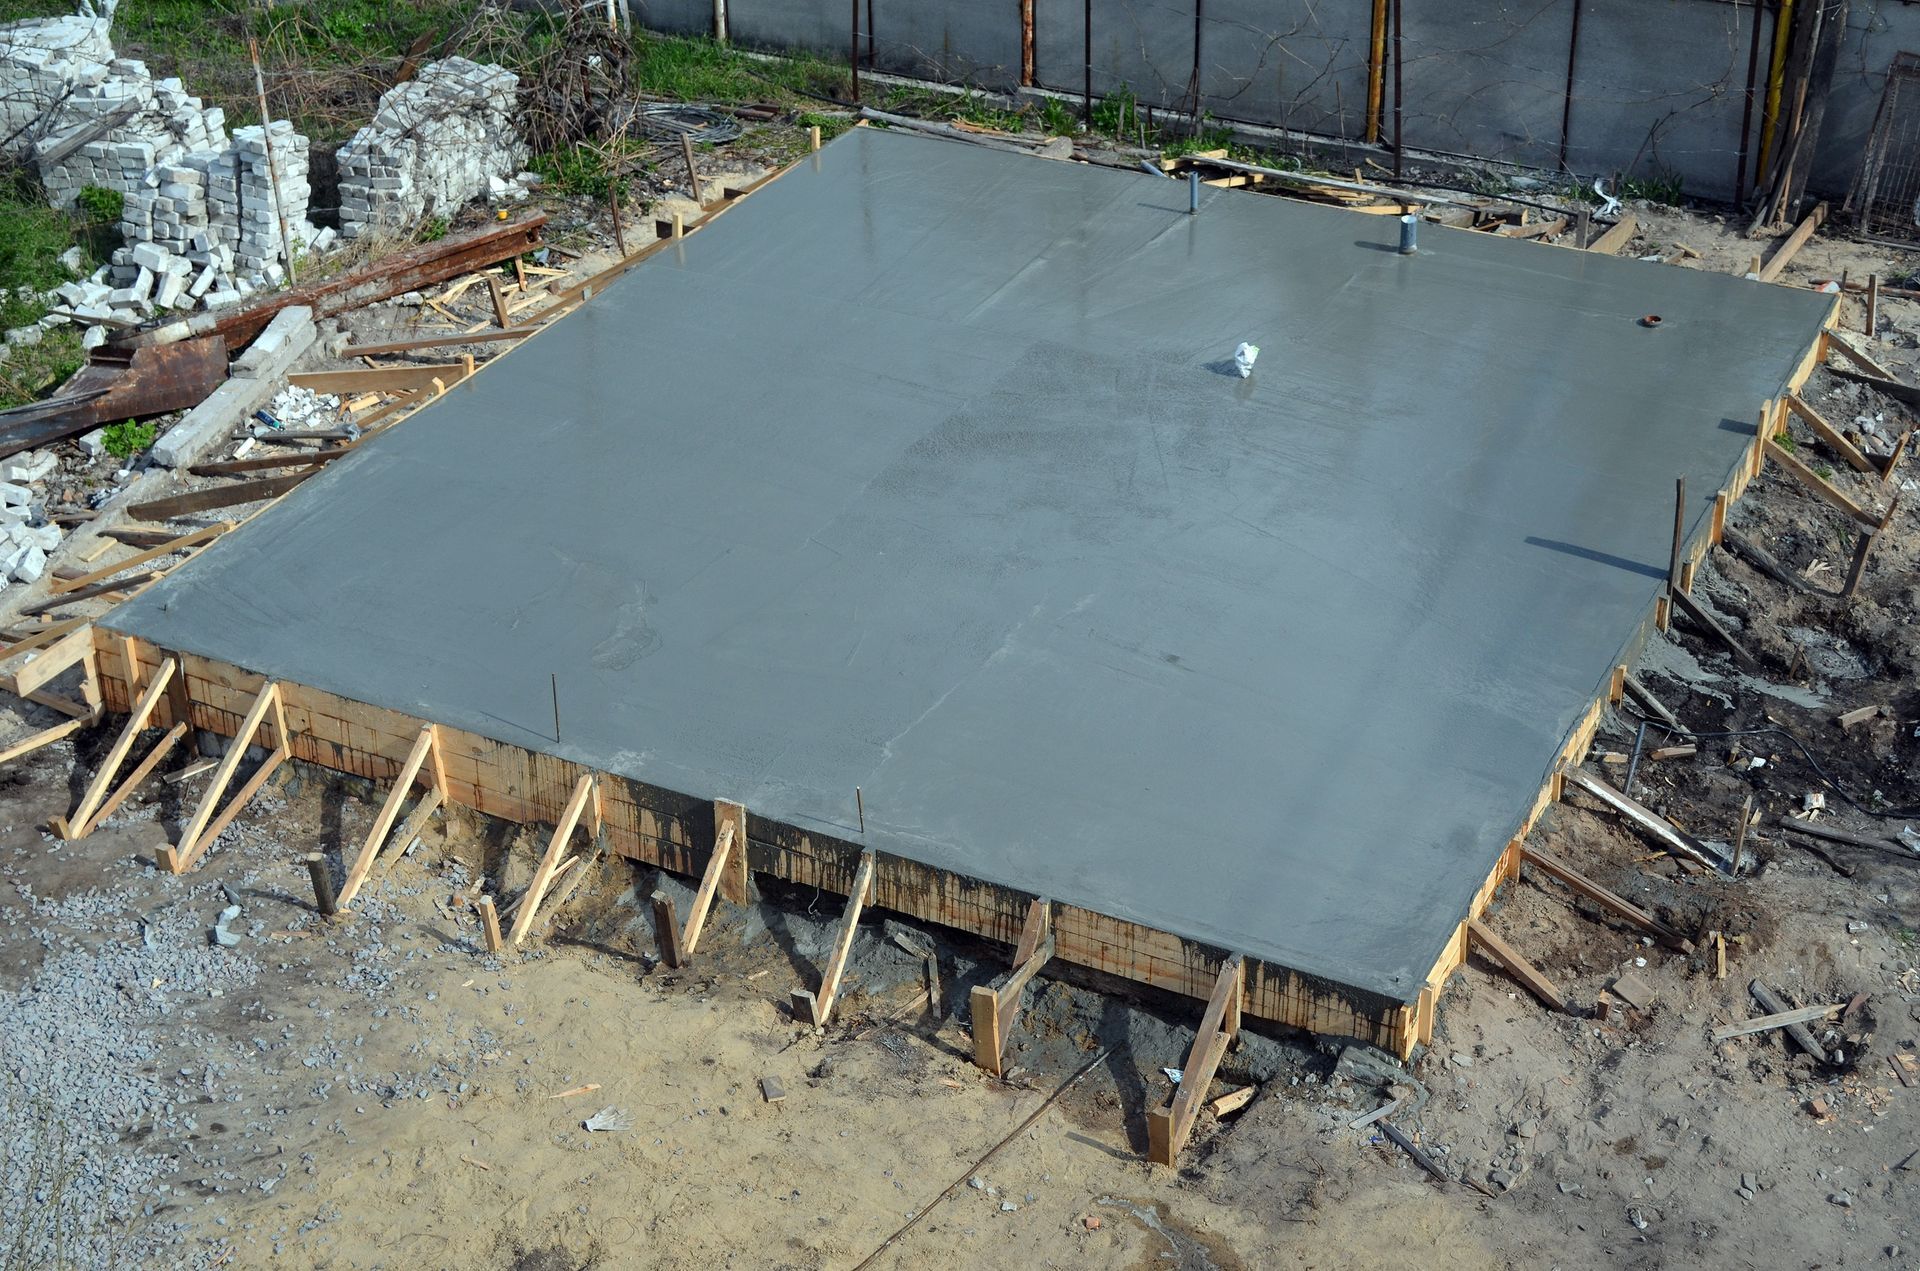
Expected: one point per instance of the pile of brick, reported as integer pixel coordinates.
(435, 142)
(25, 536)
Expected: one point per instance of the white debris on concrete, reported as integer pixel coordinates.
(435, 142)
(302, 409)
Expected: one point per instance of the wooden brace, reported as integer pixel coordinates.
(816, 1010)
(994, 1006)
(94, 806)
(1168, 1128)
(550, 863)
(204, 827)
(427, 745)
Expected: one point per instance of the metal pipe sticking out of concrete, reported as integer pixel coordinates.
(1193, 193)
(1409, 234)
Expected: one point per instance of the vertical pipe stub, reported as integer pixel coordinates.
(1193, 193)
(1409, 234)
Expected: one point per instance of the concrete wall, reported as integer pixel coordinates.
(1658, 87)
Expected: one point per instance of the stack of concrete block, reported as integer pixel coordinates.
(250, 193)
(42, 63)
(24, 544)
(433, 144)
(153, 122)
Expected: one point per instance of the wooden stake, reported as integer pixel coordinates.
(666, 928)
(817, 1009)
(813, 137)
(1484, 939)
(323, 898)
(1861, 549)
(499, 297)
(693, 174)
(1168, 1128)
(199, 834)
(994, 1006)
(543, 876)
(490, 925)
(619, 228)
(734, 880)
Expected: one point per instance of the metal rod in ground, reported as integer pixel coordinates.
(693, 173)
(1087, 66)
(860, 805)
(992, 1152)
(556, 705)
(1399, 97)
(323, 897)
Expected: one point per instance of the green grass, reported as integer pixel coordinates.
(124, 441)
(687, 68)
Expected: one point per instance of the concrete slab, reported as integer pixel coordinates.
(934, 483)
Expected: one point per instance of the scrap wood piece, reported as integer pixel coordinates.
(1837, 343)
(1662, 831)
(383, 379)
(1618, 905)
(45, 737)
(994, 1005)
(81, 821)
(550, 863)
(1863, 547)
(1831, 435)
(1483, 938)
(205, 534)
(1776, 1005)
(1234, 1100)
(1906, 1067)
(1635, 688)
(220, 496)
(1816, 830)
(204, 827)
(1168, 1128)
(1761, 559)
(1618, 235)
(1700, 615)
(376, 839)
(817, 1009)
(1673, 752)
(1777, 263)
(291, 459)
(1861, 715)
(1780, 1019)
(94, 592)
(724, 844)
(1541, 229)
(439, 341)
(394, 274)
(51, 662)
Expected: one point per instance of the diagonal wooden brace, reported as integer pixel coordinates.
(1483, 938)
(550, 863)
(80, 822)
(1169, 1128)
(816, 1010)
(725, 843)
(995, 1006)
(194, 840)
(426, 745)
(1580, 884)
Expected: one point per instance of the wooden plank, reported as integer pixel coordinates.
(385, 379)
(1777, 263)
(1767, 1023)
(438, 342)
(1798, 1032)
(259, 779)
(178, 859)
(204, 535)
(54, 661)
(1837, 343)
(543, 876)
(389, 812)
(1547, 863)
(129, 583)
(724, 843)
(489, 924)
(1530, 977)
(1168, 1128)
(80, 823)
(287, 459)
(818, 1009)
(1831, 435)
(45, 737)
(994, 1005)
(161, 749)
(413, 826)
(734, 880)
(1616, 237)
(219, 497)
(1818, 485)
(42, 638)
(1662, 831)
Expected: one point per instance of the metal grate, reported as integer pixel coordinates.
(1885, 198)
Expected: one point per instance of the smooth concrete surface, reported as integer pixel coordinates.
(923, 471)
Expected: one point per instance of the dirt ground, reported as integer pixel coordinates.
(376, 1091)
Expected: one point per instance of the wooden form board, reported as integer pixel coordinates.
(670, 831)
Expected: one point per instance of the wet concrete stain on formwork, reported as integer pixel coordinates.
(932, 486)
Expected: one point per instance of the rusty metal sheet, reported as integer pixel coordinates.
(118, 384)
